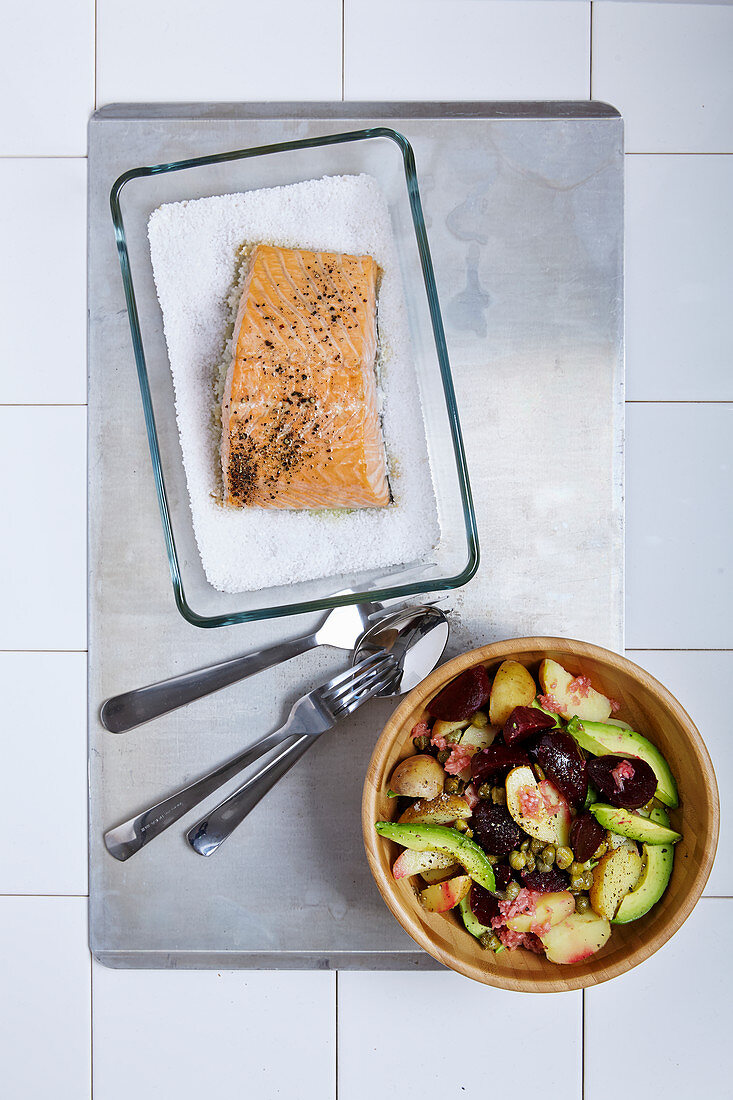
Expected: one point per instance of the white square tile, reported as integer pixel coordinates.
(679, 277)
(43, 545)
(402, 1028)
(667, 68)
(221, 50)
(460, 49)
(43, 304)
(681, 996)
(44, 713)
(701, 681)
(45, 1038)
(191, 1034)
(46, 78)
(679, 526)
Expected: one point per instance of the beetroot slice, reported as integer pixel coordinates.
(494, 760)
(484, 905)
(626, 782)
(463, 696)
(559, 756)
(503, 875)
(585, 836)
(545, 882)
(524, 721)
(495, 829)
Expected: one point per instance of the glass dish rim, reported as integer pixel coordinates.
(385, 591)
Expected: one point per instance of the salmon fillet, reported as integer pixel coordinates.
(300, 416)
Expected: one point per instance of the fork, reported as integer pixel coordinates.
(312, 714)
(341, 629)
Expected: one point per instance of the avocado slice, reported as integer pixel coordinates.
(600, 738)
(658, 861)
(440, 838)
(473, 925)
(627, 823)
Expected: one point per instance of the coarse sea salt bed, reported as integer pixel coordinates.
(196, 248)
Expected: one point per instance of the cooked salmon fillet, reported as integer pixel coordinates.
(300, 416)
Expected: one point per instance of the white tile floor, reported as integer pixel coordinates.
(316, 1035)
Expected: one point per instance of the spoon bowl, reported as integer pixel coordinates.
(416, 638)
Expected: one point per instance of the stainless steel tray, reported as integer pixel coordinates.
(524, 207)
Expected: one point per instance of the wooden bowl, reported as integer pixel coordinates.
(650, 709)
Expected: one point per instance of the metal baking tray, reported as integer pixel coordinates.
(524, 214)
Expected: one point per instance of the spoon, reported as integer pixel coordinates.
(416, 641)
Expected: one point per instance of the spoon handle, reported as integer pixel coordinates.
(207, 835)
(128, 838)
(124, 712)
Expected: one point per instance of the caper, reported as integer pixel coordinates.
(576, 882)
(460, 825)
(498, 796)
(563, 857)
(421, 743)
(576, 868)
(529, 862)
(536, 846)
(490, 941)
(517, 860)
(484, 791)
(512, 890)
(493, 860)
(587, 880)
(480, 720)
(524, 846)
(600, 850)
(548, 853)
(443, 756)
(543, 867)
(539, 772)
(453, 785)
(582, 903)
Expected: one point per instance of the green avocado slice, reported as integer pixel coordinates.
(627, 823)
(440, 838)
(601, 738)
(473, 925)
(655, 875)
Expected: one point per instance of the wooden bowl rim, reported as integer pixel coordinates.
(372, 842)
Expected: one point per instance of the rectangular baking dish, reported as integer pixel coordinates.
(387, 155)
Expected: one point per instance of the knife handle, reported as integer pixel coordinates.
(209, 834)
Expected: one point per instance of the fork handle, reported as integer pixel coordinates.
(207, 835)
(124, 712)
(132, 835)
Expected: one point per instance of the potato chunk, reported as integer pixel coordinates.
(418, 777)
(616, 874)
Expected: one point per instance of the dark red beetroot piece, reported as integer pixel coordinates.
(545, 882)
(559, 756)
(585, 836)
(463, 696)
(494, 829)
(524, 721)
(625, 782)
(503, 875)
(484, 905)
(494, 760)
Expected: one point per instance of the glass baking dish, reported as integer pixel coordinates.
(386, 155)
